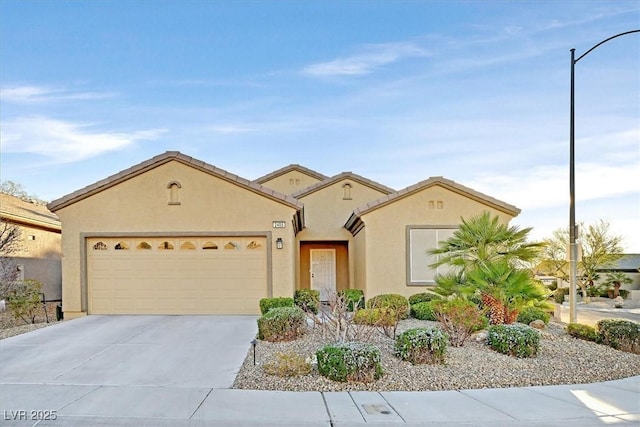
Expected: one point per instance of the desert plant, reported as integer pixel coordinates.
(559, 294)
(307, 299)
(515, 339)
(423, 297)
(395, 302)
(529, 314)
(350, 361)
(459, 319)
(422, 345)
(267, 304)
(337, 322)
(614, 281)
(424, 310)
(281, 324)
(584, 332)
(287, 365)
(354, 298)
(24, 300)
(620, 334)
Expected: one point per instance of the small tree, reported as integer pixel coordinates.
(24, 300)
(616, 280)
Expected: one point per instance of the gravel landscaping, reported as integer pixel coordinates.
(561, 359)
(10, 326)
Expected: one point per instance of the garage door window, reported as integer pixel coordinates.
(188, 246)
(210, 246)
(100, 246)
(121, 246)
(143, 245)
(165, 246)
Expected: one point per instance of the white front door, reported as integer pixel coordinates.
(323, 272)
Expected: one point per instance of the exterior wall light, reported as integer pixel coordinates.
(279, 243)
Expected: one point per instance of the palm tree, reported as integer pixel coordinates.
(482, 240)
(617, 279)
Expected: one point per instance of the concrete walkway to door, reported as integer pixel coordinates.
(177, 370)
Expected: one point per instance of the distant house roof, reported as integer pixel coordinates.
(344, 175)
(16, 210)
(165, 158)
(629, 263)
(290, 168)
(355, 223)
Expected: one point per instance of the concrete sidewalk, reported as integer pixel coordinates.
(149, 371)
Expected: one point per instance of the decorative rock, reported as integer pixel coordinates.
(538, 324)
(618, 302)
(480, 337)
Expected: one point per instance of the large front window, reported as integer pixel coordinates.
(421, 239)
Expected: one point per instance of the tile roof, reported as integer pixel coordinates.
(343, 176)
(17, 210)
(165, 158)
(289, 168)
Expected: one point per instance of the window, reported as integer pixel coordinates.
(210, 246)
(188, 246)
(143, 245)
(100, 246)
(420, 239)
(122, 246)
(165, 246)
(346, 188)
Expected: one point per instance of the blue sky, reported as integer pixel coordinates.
(477, 92)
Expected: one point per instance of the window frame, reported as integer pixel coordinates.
(409, 252)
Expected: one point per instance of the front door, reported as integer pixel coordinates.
(323, 272)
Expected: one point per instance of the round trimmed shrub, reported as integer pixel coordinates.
(350, 361)
(422, 345)
(354, 298)
(395, 302)
(529, 314)
(514, 339)
(620, 334)
(375, 317)
(307, 299)
(423, 297)
(424, 310)
(584, 332)
(267, 304)
(282, 324)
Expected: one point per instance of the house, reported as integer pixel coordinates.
(175, 235)
(39, 253)
(628, 264)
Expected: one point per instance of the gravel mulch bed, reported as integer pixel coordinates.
(561, 359)
(10, 326)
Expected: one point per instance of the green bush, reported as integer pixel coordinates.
(395, 302)
(514, 339)
(529, 314)
(281, 324)
(424, 310)
(422, 345)
(267, 304)
(558, 294)
(620, 334)
(350, 361)
(354, 298)
(423, 297)
(459, 319)
(584, 332)
(623, 293)
(24, 300)
(307, 299)
(375, 317)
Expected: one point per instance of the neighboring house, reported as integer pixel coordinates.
(176, 235)
(40, 247)
(628, 264)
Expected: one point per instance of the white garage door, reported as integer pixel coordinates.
(157, 275)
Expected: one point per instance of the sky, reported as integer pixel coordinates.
(395, 91)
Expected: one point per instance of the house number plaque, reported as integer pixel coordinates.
(279, 224)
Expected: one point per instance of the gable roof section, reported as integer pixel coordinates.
(290, 168)
(19, 211)
(165, 158)
(628, 263)
(342, 176)
(355, 223)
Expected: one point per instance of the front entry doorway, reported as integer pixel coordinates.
(323, 272)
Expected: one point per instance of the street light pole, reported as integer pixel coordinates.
(573, 248)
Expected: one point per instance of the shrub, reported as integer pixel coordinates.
(620, 334)
(459, 319)
(624, 293)
(307, 299)
(350, 361)
(281, 324)
(422, 345)
(514, 339)
(395, 302)
(423, 297)
(354, 298)
(529, 314)
(287, 365)
(374, 317)
(267, 304)
(24, 300)
(424, 310)
(558, 294)
(584, 332)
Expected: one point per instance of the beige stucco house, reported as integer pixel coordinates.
(177, 235)
(39, 250)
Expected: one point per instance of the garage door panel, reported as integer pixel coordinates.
(176, 281)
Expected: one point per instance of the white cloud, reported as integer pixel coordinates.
(29, 94)
(372, 57)
(65, 142)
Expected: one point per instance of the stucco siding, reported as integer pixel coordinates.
(290, 182)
